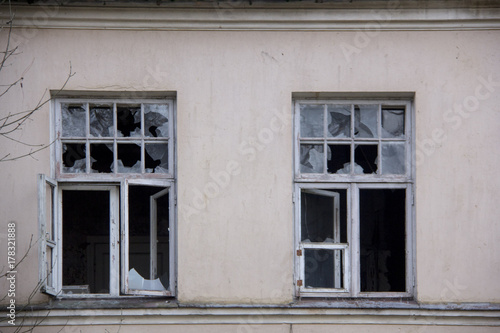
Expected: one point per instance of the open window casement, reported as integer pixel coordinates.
(148, 256)
(323, 249)
(48, 233)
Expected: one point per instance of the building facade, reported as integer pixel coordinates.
(265, 166)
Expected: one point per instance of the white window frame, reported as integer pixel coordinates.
(118, 185)
(115, 139)
(352, 183)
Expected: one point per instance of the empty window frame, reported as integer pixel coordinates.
(353, 198)
(107, 219)
(106, 136)
(107, 239)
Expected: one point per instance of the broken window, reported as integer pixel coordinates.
(115, 137)
(353, 198)
(107, 220)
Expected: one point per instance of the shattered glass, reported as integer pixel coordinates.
(73, 158)
(156, 120)
(129, 158)
(311, 121)
(365, 121)
(156, 158)
(311, 158)
(393, 123)
(101, 121)
(393, 158)
(128, 120)
(137, 282)
(101, 157)
(366, 156)
(339, 121)
(337, 157)
(73, 120)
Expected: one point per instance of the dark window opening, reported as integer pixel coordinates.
(339, 159)
(149, 253)
(366, 157)
(382, 240)
(85, 224)
(323, 268)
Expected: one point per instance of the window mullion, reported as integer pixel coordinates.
(355, 234)
(114, 233)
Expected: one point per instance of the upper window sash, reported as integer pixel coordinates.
(116, 129)
(353, 140)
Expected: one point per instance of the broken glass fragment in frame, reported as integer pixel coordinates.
(311, 121)
(101, 120)
(365, 121)
(73, 157)
(128, 120)
(137, 282)
(73, 120)
(393, 123)
(337, 157)
(393, 158)
(129, 158)
(156, 120)
(156, 157)
(366, 156)
(311, 158)
(339, 121)
(101, 157)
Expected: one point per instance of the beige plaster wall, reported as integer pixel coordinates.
(235, 238)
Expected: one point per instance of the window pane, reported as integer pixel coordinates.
(323, 216)
(73, 157)
(101, 120)
(339, 121)
(338, 159)
(365, 159)
(73, 120)
(365, 117)
(148, 232)
(323, 268)
(156, 120)
(128, 120)
(85, 241)
(311, 121)
(311, 158)
(382, 239)
(393, 158)
(129, 158)
(156, 158)
(393, 123)
(101, 157)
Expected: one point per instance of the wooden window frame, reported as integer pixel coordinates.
(352, 183)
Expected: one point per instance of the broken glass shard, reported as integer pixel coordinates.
(365, 121)
(101, 157)
(73, 120)
(366, 156)
(129, 158)
(156, 120)
(156, 158)
(393, 158)
(339, 121)
(128, 120)
(323, 268)
(311, 158)
(393, 123)
(73, 157)
(101, 120)
(311, 121)
(137, 282)
(337, 157)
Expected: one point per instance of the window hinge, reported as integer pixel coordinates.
(299, 253)
(293, 197)
(299, 283)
